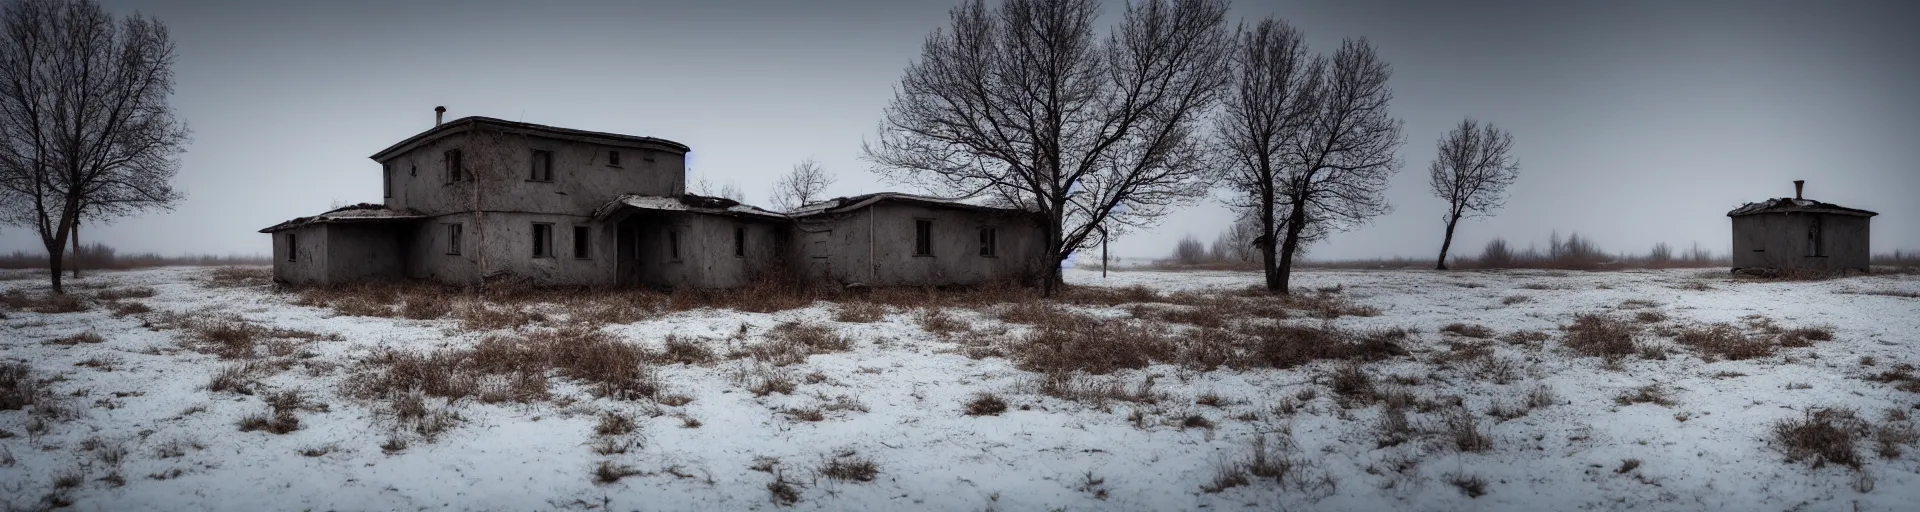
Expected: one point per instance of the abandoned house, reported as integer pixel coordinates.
(483, 198)
(1800, 234)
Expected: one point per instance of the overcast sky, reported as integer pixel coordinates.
(1635, 122)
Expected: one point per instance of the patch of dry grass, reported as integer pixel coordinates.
(1468, 330)
(1723, 340)
(986, 404)
(792, 342)
(1651, 393)
(1822, 436)
(849, 466)
(1599, 335)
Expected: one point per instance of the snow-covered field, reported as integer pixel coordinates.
(144, 413)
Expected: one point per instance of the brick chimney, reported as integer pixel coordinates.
(1798, 185)
(440, 112)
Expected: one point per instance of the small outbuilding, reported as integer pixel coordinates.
(1800, 234)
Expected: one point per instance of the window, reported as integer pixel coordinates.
(455, 171)
(453, 238)
(542, 240)
(739, 242)
(413, 170)
(613, 158)
(580, 242)
(673, 245)
(542, 166)
(922, 237)
(1815, 247)
(386, 180)
(987, 239)
(293, 248)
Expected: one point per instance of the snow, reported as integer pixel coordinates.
(1038, 455)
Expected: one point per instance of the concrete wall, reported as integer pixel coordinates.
(707, 258)
(874, 246)
(582, 178)
(1779, 240)
(506, 242)
(310, 262)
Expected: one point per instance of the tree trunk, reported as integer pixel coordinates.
(1295, 220)
(75, 232)
(1275, 283)
(56, 251)
(1447, 242)
(1056, 253)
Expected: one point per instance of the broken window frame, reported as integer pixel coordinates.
(456, 167)
(923, 238)
(455, 232)
(739, 241)
(613, 158)
(543, 240)
(989, 241)
(540, 166)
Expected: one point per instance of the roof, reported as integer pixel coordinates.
(845, 204)
(1791, 205)
(363, 212)
(684, 203)
(462, 124)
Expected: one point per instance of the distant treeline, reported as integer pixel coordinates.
(1575, 252)
(100, 256)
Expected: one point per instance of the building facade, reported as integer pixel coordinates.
(480, 199)
(1801, 234)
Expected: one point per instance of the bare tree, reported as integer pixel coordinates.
(1336, 171)
(85, 127)
(1268, 106)
(1472, 173)
(805, 185)
(1025, 103)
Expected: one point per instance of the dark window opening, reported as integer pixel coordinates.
(542, 240)
(1816, 245)
(542, 166)
(413, 170)
(386, 180)
(613, 158)
(580, 242)
(455, 170)
(453, 238)
(293, 248)
(673, 245)
(922, 237)
(987, 241)
(739, 241)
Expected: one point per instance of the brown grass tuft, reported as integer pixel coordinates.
(1822, 436)
(1723, 340)
(1599, 335)
(1468, 330)
(986, 404)
(849, 466)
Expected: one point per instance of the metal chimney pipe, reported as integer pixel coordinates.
(440, 112)
(1798, 185)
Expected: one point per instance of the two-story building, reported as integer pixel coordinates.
(483, 198)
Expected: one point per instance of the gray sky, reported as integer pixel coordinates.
(1635, 122)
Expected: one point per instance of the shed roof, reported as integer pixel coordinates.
(363, 212)
(1791, 205)
(465, 123)
(845, 204)
(684, 203)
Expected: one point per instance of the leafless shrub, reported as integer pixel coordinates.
(682, 351)
(782, 491)
(85, 337)
(1599, 335)
(938, 321)
(1651, 393)
(1725, 341)
(848, 466)
(1822, 436)
(609, 472)
(1351, 383)
(986, 404)
(416, 413)
(792, 342)
(1463, 432)
(859, 312)
(1468, 330)
(1393, 428)
(1804, 336)
(20, 388)
(237, 378)
(614, 424)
